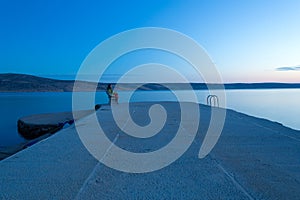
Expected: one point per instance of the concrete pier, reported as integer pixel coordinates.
(253, 159)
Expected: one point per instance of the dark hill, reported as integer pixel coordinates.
(28, 83)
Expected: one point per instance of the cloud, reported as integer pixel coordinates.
(292, 68)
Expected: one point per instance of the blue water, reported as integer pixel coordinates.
(277, 105)
(16, 105)
(280, 105)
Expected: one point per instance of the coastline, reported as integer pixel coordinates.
(51, 123)
(9, 150)
(27, 83)
(37, 127)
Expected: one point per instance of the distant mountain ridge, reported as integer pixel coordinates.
(28, 83)
(10, 82)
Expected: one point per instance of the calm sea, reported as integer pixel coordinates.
(277, 105)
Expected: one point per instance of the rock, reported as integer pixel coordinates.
(97, 106)
(31, 127)
(32, 131)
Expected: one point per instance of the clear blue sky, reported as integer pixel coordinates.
(249, 40)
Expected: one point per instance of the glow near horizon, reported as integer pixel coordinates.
(247, 40)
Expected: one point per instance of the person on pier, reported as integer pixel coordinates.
(111, 94)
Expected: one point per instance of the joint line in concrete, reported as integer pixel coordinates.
(99, 164)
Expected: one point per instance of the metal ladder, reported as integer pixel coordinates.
(212, 100)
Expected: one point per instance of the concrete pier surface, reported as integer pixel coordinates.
(253, 159)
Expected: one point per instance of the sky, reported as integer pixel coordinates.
(248, 40)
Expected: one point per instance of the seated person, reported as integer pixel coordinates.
(111, 94)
